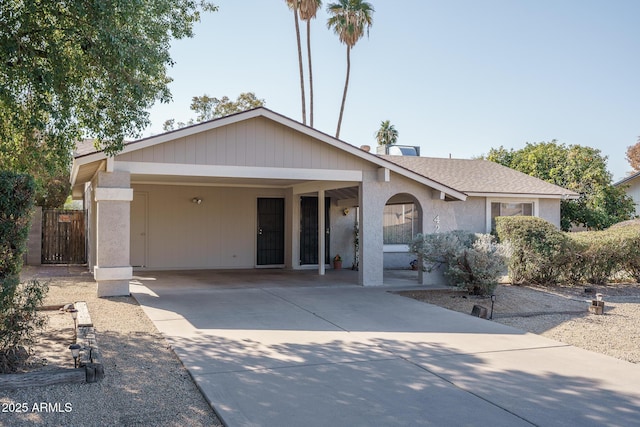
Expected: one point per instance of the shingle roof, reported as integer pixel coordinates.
(478, 176)
(86, 146)
(626, 179)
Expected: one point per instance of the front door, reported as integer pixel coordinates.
(270, 238)
(309, 230)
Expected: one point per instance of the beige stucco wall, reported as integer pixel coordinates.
(470, 215)
(257, 142)
(550, 210)
(218, 233)
(374, 195)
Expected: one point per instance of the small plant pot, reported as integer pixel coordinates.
(337, 265)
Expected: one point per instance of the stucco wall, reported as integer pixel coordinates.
(470, 215)
(550, 210)
(218, 233)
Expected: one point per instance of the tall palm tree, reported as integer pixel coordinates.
(294, 5)
(308, 11)
(387, 134)
(349, 19)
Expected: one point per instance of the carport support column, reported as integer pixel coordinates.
(113, 197)
(371, 201)
(322, 235)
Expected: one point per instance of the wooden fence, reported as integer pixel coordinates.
(63, 237)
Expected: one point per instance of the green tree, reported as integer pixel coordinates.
(577, 168)
(349, 19)
(208, 108)
(633, 156)
(308, 11)
(387, 134)
(294, 5)
(77, 67)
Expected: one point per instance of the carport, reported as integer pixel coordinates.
(249, 191)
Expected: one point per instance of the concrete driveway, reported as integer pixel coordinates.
(281, 352)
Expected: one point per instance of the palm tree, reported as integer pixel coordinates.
(308, 11)
(387, 134)
(294, 5)
(348, 20)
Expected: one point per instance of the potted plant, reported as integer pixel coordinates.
(337, 262)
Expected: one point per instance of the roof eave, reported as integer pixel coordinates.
(569, 195)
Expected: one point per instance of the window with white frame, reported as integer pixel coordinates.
(400, 223)
(510, 209)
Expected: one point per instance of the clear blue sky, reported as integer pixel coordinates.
(454, 76)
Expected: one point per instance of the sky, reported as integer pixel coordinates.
(456, 77)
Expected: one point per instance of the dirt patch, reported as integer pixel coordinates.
(560, 313)
(51, 351)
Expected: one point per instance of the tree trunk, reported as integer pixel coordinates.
(304, 102)
(310, 73)
(344, 95)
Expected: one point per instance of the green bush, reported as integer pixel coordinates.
(540, 253)
(473, 262)
(597, 256)
(18, 316)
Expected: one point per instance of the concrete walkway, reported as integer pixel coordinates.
(290, 352)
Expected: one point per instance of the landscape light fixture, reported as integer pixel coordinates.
(493, 300)
(74, 316)
(75, 352)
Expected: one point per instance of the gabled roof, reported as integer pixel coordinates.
(626, 180)
(88, 158)
(481, 177)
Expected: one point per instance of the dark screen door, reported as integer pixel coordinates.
(309, 230)
(270, 231)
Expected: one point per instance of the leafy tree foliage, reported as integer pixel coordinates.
(209, 108)
(387, 134)
(633, 156)
(577, 168)
(83, 67)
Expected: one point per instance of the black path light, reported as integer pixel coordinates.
(74, 316)
(493, 300)
(75, 352)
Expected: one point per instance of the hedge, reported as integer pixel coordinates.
(541, 254)
(18, 303)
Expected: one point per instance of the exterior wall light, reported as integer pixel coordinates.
(197, 200)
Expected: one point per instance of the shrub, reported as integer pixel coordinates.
(629, 249)
(473, 262)
(19, 323)
(18, 316)
(540, 253)
(597, 256)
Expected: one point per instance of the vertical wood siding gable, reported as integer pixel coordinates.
(257, 142)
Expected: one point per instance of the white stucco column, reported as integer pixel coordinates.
(322, 235)
(113, 197)
(371, 201)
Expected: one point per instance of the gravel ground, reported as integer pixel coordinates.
(144, 384)
(560, 313)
